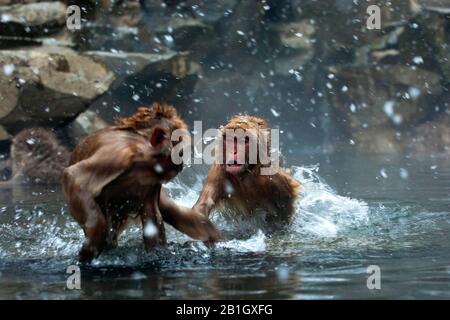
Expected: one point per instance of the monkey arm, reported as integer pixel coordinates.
(211, 193)
(187, 220)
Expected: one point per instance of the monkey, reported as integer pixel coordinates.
(37, 157)
(118, 171)
(240, 187)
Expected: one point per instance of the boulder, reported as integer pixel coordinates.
(295, 35)
(377, 106)
(294, 43)
(125, 64)
(95, 36)
(431, 138)
(377, 141)
(392, 96)
(440, 6)
(4, 135)
(48, 86)
(187, 34)
(32, 19)
(84, 124)
(140, 80)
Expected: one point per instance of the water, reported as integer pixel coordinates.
(354, 212)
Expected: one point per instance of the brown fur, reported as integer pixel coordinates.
(37, 156)
(144, 116)
(113, 174)
(251, 191)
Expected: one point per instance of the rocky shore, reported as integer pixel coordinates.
(314, 62)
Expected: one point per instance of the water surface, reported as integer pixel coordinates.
(354, 212)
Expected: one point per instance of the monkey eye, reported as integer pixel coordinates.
(158, 137)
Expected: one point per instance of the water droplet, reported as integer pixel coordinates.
(274, 112)
(158, 168)
(8, 69)
(150, 229)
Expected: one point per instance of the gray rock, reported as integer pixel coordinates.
(385, 95)
(295, 35)
(242, 36)
(142, 79)
(375, 105)
(48, 85)
(32, 19)
(4, 135)
(377, 141)
(441, 6)
(431, 138)
(125, 64)
(84, 124)
(288, 64)
(187, 34)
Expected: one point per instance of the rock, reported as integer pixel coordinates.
(4, 135)
(48, 86)
(242, 37)
(63, 38)
(10, 2)
(286, 65)
(208, 12)
(84, 124)
(440, 6)
(187, 34)
(377, 106)
(117, 13)
(294, 45)
(142, 79)
(391, 96)
(96, 36)
(435, 46)
(341, 25)
(295, 35)
(33, 19)
(125, 64)
(377, 141)
(431, 138)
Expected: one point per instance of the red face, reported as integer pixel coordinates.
(235, 154)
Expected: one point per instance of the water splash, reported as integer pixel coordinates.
(321, 211)
(256, 243)
(321, 214)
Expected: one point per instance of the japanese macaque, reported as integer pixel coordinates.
(240, 187)
(115, 175)
(37, 157)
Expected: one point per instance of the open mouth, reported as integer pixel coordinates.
(234, 167)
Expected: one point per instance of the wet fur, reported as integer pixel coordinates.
(37, 157)
(112, 177)
(251, 192)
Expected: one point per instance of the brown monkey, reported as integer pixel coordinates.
(37, 156)
(240, 187)
(118, 171)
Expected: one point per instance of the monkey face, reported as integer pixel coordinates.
(241, 143)
(239, 152)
